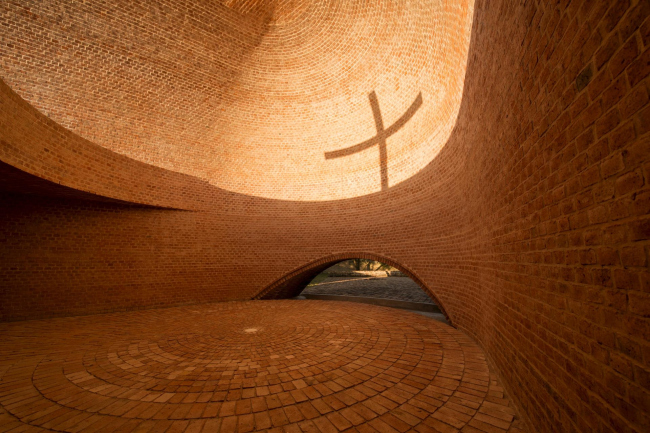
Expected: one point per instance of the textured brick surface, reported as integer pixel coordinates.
(530, 227)
(286, 365)
(229, 93)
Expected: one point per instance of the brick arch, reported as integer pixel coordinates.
(294, 282)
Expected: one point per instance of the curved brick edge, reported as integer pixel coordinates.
(294, 282)
(16, 181)
(36, 145)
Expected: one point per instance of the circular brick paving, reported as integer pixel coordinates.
(296, 365)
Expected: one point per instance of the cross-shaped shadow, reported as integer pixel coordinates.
(380, 138)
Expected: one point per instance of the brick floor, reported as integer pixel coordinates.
(311, 366)
(397, 288)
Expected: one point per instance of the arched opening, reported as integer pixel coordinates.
(294, 283)
(372, 282)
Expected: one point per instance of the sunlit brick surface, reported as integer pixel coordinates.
(248, 95)
(310, 366)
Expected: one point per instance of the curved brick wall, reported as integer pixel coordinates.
(530, 225)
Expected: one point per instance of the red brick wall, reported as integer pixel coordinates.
(531, 226)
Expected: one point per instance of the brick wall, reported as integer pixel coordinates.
(530, 226)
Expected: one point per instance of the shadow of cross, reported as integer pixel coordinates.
(380, 138)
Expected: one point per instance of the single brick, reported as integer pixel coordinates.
(633, 256)
(629, 182)
(643, 121)
(640, 304)
(612, 165)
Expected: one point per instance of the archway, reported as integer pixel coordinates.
(293, 283)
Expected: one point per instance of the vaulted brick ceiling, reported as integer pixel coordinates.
(249, 95)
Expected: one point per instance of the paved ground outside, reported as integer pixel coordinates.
(292, 366)
(397, 288)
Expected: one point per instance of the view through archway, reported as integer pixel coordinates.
(371, 282)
